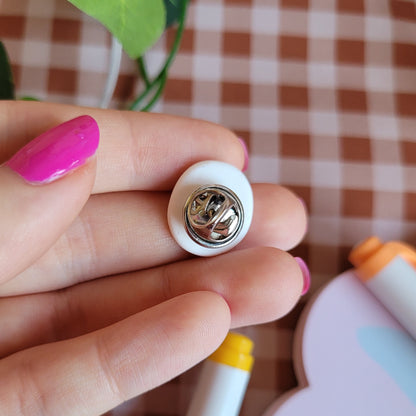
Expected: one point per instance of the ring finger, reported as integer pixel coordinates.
(259, 285)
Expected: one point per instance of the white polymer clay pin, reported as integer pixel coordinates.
(211, 208)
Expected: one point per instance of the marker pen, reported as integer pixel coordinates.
(389, 271)
(224, 378)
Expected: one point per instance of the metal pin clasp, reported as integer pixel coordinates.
(214, 215)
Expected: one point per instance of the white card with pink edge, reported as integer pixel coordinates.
(351, 357)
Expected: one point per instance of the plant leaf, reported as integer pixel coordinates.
(137, 24)
(6, 77)
(29, 98)
(173, 11)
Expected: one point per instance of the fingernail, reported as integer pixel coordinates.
(306, 275)
(57, 152)
(302, 201)
(243, 144)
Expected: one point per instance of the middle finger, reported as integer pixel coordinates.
(121, 232)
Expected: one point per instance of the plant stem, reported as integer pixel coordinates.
(160, 80)
(113, 73)
(143, 71)
(157, 95)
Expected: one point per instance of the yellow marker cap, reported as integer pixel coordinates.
(235, 351)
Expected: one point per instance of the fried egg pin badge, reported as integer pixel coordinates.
(210, 208)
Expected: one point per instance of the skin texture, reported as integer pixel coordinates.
(97, 302)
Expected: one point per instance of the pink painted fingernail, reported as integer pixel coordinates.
(57, 152)
(302, 201)
(243, 144)
(306, 275)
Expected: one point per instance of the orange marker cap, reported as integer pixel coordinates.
(372, 255)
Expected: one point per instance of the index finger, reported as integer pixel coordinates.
(138, 151)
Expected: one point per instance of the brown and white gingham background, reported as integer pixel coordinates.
(323, 92)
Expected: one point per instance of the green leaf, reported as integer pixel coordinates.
(137, 24)
(173, 11)
(6, 77)
(28, 98)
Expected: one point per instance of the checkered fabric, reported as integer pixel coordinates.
(322, 91)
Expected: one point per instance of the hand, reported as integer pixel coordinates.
(97, 302)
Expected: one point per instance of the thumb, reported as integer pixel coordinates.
(36, 207)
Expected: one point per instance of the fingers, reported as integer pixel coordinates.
(137, 150)
(117, 233)
(35, 207)
(258, 284)
(279, 220)
(96, 372)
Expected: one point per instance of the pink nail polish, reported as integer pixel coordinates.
(302, 201)
(306, 275)
(57, 152)
(243, 144)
